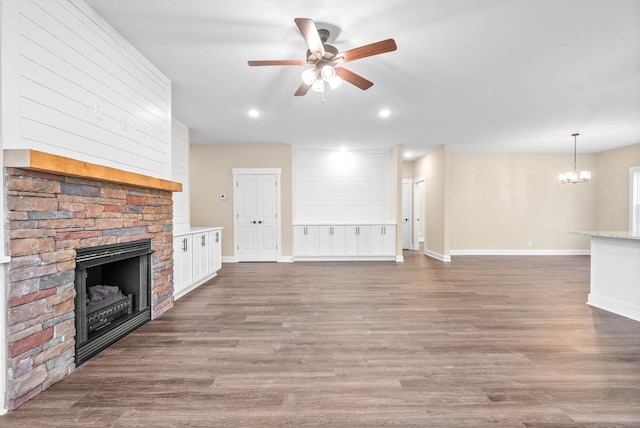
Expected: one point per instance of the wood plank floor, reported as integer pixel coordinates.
(481, 341)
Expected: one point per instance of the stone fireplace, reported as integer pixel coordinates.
(58, 208)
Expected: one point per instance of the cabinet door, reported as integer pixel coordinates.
(351, 240)
(364, 240)
(299, 239)
(216, 250)
(383, 240)
(305, 240)
(390, 240)
(358, 240)
(200, 255)
(182, 262)
(338, 241)
(324, 240)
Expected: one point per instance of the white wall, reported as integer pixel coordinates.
(342, 185)
(3, 297)
(74, 87)
(180, 173)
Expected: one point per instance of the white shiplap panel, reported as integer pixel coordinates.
(72, 63)
(341, 186)
(42, 137)
(105, 141)
(66, 112)
(39, 46)
(129, 62)
(180, 173)
(54, 75)
(44, 85)
(68, 35)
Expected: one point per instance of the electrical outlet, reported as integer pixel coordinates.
(530, 243)
(97, 111)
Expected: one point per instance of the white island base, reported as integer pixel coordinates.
(615, 273)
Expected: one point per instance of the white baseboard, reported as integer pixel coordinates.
(437, 256)
(520, 252)
(399, 259)
(615, 306)
(285, 259)
(229, 260)
(344, 258)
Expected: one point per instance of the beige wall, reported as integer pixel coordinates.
(434, 167)
(503, 201)
(408, 170)
(396, 194)
(473, 201)
(611, 178)
(211, 175)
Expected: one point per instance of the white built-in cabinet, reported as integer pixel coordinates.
(197, 257)
(306, 240)
(344, 241)
(383, 240)
(332, 241)
(358, 240)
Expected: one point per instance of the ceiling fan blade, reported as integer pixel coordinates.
(377, 48)
(277, 62)
(353, 78)
(302, 89)
(310, 33)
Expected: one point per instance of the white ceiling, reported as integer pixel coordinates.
(511, 76)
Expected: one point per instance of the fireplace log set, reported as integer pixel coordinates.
(106, 313)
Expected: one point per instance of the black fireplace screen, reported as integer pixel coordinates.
(113, 285)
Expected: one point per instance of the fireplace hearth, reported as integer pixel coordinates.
(112, 285)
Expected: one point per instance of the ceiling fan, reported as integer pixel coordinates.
(325, 60)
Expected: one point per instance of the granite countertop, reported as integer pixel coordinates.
(622, 234)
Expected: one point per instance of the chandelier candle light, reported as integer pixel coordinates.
(573, 176)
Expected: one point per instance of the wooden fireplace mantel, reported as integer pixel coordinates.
(46, 162)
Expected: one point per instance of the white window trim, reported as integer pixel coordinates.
(634, 199)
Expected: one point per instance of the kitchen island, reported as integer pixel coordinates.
(615, 272)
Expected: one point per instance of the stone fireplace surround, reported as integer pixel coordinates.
(55, 205)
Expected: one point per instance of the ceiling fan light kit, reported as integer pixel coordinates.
(325, 59)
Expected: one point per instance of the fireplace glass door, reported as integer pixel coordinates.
(112, 294)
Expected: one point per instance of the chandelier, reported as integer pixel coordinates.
(573, 176)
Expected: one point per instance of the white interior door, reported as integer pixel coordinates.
(246, 221)
(407, 215)
(257, 206)
(267, 218)
(418, 195)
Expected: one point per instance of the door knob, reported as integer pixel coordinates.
(260, 222)
(254, 222)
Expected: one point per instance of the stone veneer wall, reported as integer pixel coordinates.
(48, 217)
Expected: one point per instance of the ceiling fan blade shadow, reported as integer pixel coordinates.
(277, 62)
(302, 89)
(353, 78)
(310, 33)
(376, 48)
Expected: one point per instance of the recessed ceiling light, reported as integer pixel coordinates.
(408, 155)
(385, 112)
(254, 113)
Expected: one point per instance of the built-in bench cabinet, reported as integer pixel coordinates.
(344, 241)
(197, 257)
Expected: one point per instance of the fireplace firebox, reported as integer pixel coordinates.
(113, 285)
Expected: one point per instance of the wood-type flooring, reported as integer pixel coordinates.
(482, 341)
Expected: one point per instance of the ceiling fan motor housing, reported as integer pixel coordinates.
(330, 53)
